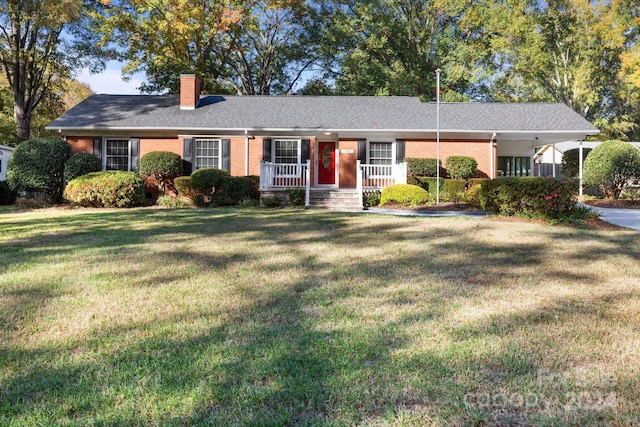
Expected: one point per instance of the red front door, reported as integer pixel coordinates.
(326, 163)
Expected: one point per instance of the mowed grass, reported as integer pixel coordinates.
(295, 317)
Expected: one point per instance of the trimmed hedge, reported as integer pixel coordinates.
(81, 164)
(109, 189)
(232, 190)
(453, 190)
(38, 165)
(405, 194)
(461, 167)
(534, 196)
(207, 179)
(429, 184)
(472, 196)
(7, 195)
(422, 167)
(297, 196)
(611, 165)
(183, 186)
(164, 166)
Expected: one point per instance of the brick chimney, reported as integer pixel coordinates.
(189, 91)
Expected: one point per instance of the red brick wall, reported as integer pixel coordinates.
(80, 144)
(347, 171)
(478, 149)
(189, 91)
(147, 145)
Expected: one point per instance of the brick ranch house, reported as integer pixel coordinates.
(334, 146)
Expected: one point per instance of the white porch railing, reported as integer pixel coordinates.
(286, 175)
(377, 177)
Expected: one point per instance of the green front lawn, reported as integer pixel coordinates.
(288, 317)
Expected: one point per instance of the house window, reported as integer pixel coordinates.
(286, 151)
(208, 154)
(117, 154)
(514, 166)
(380, 153)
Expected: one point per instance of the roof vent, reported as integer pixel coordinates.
(189, 91)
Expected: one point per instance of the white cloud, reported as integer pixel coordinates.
(110, 81)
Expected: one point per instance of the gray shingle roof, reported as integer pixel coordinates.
(162, 112)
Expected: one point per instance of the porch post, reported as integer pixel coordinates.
(553, 146)
(580, 168)
(359, 183)
(308, 183)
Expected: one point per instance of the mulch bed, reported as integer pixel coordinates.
(606, 203)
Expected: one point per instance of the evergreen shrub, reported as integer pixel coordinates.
(405, 195)
(108, 189)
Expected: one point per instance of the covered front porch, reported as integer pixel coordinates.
(276, 178)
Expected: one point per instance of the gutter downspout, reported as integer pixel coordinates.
(246, 152)
(492, 167)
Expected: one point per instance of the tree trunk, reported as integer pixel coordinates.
(23, 122)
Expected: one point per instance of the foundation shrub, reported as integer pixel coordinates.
(538, 197)
(81, 164)
(429, 184)
(405, 195)
(164, 166)
(37, 165)
(174, 202)
(372, 199)
(422, 167)
(7, 195)
(475, 181)
(204, 183)
(453, 190)
(270, 202)
(183, 186)
(109, 189)
(461, 167)
(232, 190)
(472, 196)
(296, 196)
(207, 180)
(255, 192)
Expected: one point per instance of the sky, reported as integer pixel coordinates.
(110, 81)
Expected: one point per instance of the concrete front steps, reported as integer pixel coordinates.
(335, 199)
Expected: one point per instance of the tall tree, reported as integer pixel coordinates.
(42, 41)
(570, 51)
(393, 47)
(61, 96)
(234, 46)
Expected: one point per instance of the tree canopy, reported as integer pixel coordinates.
(41, 43)
(584, 53)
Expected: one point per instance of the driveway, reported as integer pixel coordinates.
(624, 217)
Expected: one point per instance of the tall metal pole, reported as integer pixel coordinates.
(438, 136)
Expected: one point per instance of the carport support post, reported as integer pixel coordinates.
(553, 146)
(580, 168)
(438, 136)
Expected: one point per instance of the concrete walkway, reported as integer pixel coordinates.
(624, 217)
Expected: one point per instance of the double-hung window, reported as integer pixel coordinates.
(117, 154)
(286, 151)
(286, 154)
(381, 155)
(208, 153)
